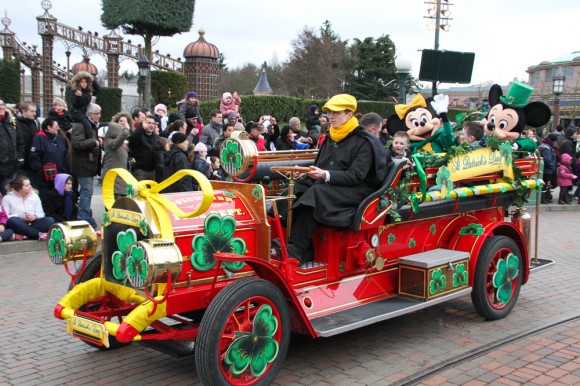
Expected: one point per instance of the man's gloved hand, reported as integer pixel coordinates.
(440, 103)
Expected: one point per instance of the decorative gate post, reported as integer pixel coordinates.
(46, 29)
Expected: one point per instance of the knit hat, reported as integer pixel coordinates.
(178, 137)
(190, 113)
(191, 94)
(172, 118)
(225, 95)
(340, 102)
(161, 107)
(200, 147)
(231, 117)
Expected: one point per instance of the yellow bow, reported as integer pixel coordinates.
(418, 101)
(149, 190)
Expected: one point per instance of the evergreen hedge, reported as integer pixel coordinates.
(10, 81)
(284, 107)
(168, 88)
(109, 99)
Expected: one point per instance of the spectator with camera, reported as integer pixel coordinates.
(49, 155)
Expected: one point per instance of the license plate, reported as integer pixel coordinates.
(89, 329)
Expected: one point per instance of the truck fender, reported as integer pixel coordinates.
(266, 271)
(473, 238)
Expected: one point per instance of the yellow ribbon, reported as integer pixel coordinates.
(149, 190)
(402, 110)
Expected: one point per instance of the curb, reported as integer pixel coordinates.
(14, 247)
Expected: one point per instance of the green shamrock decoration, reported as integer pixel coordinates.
(229, 194)
(256, 349)
(460, 276)
(505, 150)
(433, 229)
(507, 272)
(143, 227)
(136, 266)
(124, 240)
(217, 238)
(438, 282)
(106, 219)
(56, 246)
(230, 155)
(391, 238)
(129, 191)
(257, 192)
(412, 243)
(443, 180)
(472, 229)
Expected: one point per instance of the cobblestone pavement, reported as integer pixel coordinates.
(36, 350)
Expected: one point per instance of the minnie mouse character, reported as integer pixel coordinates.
(510, 114)
(425, 121)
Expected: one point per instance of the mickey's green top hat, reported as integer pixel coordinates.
(518, 95)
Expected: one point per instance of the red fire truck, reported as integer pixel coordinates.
(197, 273)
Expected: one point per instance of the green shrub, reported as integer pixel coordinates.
(10, 81)
(110, 101)
(168, 88)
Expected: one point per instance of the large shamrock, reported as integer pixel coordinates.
(471, 229)
(443, 180)
(124, 240)
(438, 282)
(254, 349)
(507, 272)
(460, 276)
(230, 155)
(136, 266)
(505, 150)
(217, 238)
(56, 246)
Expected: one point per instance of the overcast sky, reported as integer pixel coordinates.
(507, 36)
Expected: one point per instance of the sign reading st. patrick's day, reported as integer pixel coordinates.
(476, 163)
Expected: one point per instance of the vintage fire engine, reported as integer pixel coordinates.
(197, 272)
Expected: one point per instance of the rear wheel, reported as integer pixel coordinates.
(104, 306)
(498, 278)
(244, 335)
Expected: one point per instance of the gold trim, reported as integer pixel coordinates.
(191, 283)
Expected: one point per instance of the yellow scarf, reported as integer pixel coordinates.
(339, 133)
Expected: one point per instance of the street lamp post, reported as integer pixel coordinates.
(403, 66)
(144, 73)
(558, 88)
(438, 13)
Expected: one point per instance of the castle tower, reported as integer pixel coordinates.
(201, 67)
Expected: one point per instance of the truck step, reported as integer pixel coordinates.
(540, 265)
(339, 322)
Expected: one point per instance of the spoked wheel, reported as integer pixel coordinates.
(105, 306)
(498, 278)
(244, 335)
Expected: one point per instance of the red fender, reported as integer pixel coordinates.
(473, 244)
(265, 270)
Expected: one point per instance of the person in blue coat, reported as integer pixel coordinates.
(48, 156)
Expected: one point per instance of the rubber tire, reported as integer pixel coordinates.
(217, 314)
(479, 293)
(92, 270)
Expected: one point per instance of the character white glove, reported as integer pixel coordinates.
(440, 103)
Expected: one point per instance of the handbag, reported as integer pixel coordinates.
(50, 172)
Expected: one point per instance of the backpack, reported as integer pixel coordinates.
(550, 158)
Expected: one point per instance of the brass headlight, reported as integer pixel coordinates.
(68, 240)
(148, 262)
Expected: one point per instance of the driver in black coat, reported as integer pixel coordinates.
(350, 165)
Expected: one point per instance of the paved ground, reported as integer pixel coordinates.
(35, 349)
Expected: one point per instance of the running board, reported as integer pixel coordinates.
(378, 311)
(541, 264)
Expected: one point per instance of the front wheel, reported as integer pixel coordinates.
(244, 335)
(498, 278)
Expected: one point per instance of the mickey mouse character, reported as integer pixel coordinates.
(420, 120)
(512, 112)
